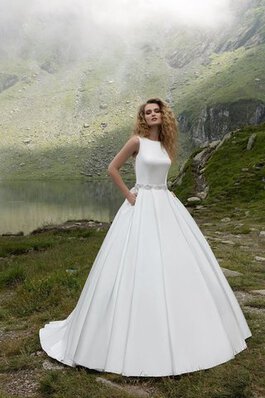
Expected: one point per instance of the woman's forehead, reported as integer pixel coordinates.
(151, 106)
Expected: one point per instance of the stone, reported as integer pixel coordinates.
(214, 144)
(262, 234)
(193, 199)
(262, 292)
(229, 272)
(132, 390)
(251, 141)
(258, 258)
(202, 194)
(226, 219)
(47, 365)
(228, 242)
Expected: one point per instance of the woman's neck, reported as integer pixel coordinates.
(154, 133)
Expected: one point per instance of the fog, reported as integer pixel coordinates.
(128, 14)
(76, 26)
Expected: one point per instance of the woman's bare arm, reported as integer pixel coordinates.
(131, 147)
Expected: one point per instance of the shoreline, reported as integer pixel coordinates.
(67, 225)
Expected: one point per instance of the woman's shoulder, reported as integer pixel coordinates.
(135, 139)
(134, 142)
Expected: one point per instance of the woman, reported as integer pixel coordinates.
(149, 124)
(156, 302)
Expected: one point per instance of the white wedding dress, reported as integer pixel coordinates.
(156, 302)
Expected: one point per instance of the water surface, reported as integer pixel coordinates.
(27, 205)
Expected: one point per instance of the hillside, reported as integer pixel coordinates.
(65, 114)
(227, 176)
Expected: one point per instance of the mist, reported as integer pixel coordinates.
(72, 28)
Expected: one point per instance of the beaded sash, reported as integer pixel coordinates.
(150, 186)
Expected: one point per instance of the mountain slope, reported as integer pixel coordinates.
(64, 114)
(233, 173)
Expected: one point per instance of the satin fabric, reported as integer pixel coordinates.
(156, 302)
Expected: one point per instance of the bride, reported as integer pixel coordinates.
(156, 302)
(149, 123)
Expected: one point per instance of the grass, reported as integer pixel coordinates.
(229, 75)
(233, 156)
(232, 188)
(37, 286)
(42, 276)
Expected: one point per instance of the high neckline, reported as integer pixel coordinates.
(151, 140)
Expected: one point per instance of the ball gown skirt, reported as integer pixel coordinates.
(156, 302)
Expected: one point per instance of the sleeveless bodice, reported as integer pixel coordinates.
(151, 163)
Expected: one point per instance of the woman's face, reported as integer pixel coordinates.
(152, 114)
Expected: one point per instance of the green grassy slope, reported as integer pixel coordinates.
(42, 133)
(42, 115)
(235, 175)
(228, 77)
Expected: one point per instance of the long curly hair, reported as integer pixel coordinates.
(169, 128)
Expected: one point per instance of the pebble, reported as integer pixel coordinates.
(262, 291)
(227, 242)
(226, 219)
(258, 258)
(47, 365)
(229, 272)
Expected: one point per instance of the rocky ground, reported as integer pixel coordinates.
(24, 382)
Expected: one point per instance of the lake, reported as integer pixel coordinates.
(27, 205)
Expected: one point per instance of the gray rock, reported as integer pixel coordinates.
(229, 272)
(262, 234)
(258, 258)
(225, 219)
(47, 365)
(202, 195)
(262, 291)
(130, 389)
(193, 199)
(251, 141)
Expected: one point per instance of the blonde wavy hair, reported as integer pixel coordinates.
(169, 129)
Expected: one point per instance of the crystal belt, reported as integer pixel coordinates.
(151, 186)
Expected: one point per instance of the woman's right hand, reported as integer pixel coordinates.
(131, 197)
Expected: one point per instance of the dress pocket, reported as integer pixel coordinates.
(133, 190)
